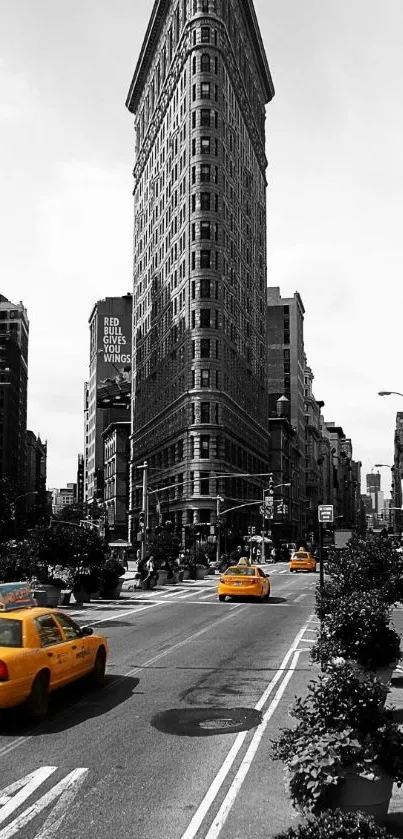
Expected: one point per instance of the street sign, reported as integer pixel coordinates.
(325, 512)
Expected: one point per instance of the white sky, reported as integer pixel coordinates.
(334, 143)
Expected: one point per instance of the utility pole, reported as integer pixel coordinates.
(218, 525)
(144, 509)
(267, 507)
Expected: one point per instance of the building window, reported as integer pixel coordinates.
(205, 144)
(205, 412)
(205, 173)
(205, 348)
(192, 484)
(205, 230)
(205, 201)
(205, 259)
(204, 378)
(205, 318)
(205, 6)
(205, 286)
(191, 447)
(205, 34)
(205, 446)
(205, 90)
(205, 116)
(205, 63)
(204, 483)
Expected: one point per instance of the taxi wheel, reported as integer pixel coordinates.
(98, 673)
(221, 598)
(38, 700)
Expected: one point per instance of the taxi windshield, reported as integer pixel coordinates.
(10, 633)
(239, 571)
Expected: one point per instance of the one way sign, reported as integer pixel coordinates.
(325, 512)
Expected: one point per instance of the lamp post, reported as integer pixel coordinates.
(389, 393)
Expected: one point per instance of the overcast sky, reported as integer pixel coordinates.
(334, 144)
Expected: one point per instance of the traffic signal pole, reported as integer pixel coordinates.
(144, 509)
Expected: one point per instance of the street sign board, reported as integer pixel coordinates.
(325, 512)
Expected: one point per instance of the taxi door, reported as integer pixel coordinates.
(82, 647)
(264, 582)
(55, 651)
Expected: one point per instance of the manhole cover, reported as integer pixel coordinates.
(205, 722)
(224, 723)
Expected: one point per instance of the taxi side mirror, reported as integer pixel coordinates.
(87, 630)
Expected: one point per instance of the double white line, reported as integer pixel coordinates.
(285, 672)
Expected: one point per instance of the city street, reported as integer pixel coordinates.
(178, 742)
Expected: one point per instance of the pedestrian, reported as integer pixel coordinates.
(150, 566)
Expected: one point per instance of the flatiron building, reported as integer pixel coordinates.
(199, 390)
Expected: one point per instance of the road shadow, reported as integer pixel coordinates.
(70, 706)
(397, 715)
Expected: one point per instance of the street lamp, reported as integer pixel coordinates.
(389, 393)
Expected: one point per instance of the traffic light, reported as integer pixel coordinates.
(271, 483)
(142, 517)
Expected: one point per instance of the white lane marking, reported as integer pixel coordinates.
(10, 799)
(191, 594)
(243, 770)
(218, 781)
(11, 746)
(207, 596)
(65, 791)
(300, 597)
(122, 614)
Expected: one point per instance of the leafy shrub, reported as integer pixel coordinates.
(358, 628)
(338, 728)
(342, 697)
(336, 824)
(365, 565)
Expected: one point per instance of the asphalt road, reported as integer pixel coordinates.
(177, 744)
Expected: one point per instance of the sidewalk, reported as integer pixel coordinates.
(394, 822)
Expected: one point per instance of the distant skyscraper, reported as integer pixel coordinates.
(110, 353)
(14, 331)
(373, 482)
(199, 397)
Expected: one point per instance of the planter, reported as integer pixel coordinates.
(186, 574)
(81, 595)
(384, 674)
(113, 593)
(40, 596)
(52, 594)
(200, 573)
(65, 596)
(173, 580)
(162, 577)
(357, 793)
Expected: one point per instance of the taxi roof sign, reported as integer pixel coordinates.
(16, 596)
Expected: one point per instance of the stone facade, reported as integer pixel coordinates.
(199, 394)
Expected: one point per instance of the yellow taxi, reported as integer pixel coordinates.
(243, 580)
(302, 560)
(41, 650)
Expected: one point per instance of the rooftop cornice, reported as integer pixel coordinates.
(156, 22)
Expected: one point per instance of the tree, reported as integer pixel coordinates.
(69, 547)
(7, 508)
(163, 544)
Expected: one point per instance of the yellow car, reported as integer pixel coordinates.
(41, 650)
(243, 581)
(302, 560)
